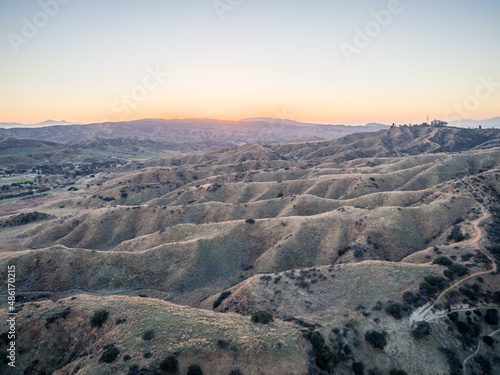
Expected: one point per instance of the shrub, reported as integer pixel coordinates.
(491, 317)
(109, 355)
(221, 298)
(99, 317)
(195, 370)
(394, 309)
(488, 340)
(236, 372)
(126, 358)
(376, 339)
(421, 330)
(358, 368)
(250, 221)
(170, 364)
(148, 334)
(223, 344)
(262, 317)
(442, 261)
(456, 234)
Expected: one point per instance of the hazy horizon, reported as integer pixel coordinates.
(342, 63)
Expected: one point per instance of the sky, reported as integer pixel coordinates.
(324, 61)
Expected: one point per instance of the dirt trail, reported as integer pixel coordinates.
(425, 312)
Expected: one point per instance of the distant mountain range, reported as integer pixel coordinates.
(197, 131)
(6, 125)
(490, 123)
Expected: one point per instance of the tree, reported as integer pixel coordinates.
(395, 310)
(99, 317)
(170, 364)
(110, 355)
(421, 330)
(376, 339)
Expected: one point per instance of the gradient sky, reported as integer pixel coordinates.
(279, 58)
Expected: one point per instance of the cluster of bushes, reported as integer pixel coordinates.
(221, 298)
(416, 300)
(442, 261)
(484, 363)
(421, 330)
(432, 285)
(169, 365)
(323, 357)
(469, 331)
(456, 234)
(453, 270)
(453, 361)
(376, 339)
(262, 317)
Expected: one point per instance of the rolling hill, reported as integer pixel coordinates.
(370, 251)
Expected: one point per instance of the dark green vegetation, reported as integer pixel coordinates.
(110, 354)
(99, 317)
(421, 330)
(23, 219)
(148, 335)
(194, 370)
(376, 339)
(170, 364)
(394, 309)
(323, 357)
(221, 298)
(262, 317)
